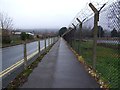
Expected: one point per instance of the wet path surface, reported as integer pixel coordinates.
(60, 69)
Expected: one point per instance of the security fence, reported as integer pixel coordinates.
(94, 36)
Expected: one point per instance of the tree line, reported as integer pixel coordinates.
(101, 32)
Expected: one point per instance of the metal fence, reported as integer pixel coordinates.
(9, 74)
(94, 36)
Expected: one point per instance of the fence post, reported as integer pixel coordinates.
(74, 45)
(80, 37)
(96, 19)
(39, 46)
(96, 15)
(25, 55)
(95, 40)
(80, 40)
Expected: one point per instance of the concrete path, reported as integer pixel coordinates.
(60, 69)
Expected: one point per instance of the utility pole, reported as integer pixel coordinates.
(96, 19)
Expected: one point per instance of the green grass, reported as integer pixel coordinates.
(106, 63)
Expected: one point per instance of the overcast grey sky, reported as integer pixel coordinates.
(42, 13)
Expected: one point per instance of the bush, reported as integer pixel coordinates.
(6, 39)
(29, 36)
(23, 36)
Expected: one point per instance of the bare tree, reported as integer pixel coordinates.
(5, 22)
(6, 25)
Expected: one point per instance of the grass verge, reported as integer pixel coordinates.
(107, 63)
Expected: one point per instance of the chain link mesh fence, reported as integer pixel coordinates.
(81, 38)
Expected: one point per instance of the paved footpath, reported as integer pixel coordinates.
(60, 69)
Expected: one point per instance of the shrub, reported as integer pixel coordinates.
(6, 39)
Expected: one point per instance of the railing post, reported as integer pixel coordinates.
(25, 56)
(56, 38)
(39, 46)
(45, 42)
(52, 40)
(48, 41)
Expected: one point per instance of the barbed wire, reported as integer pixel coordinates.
(86, 12)
(113, 15)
